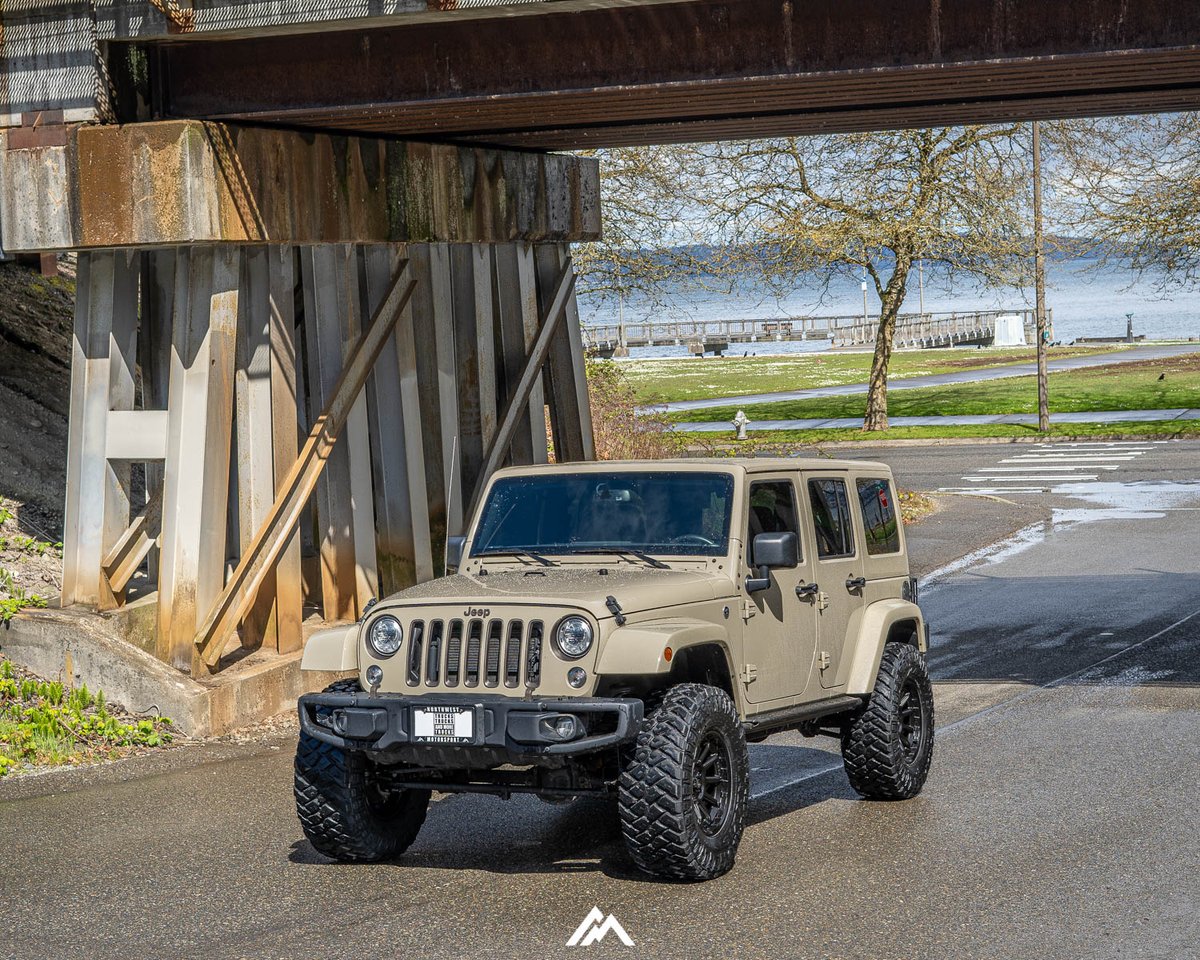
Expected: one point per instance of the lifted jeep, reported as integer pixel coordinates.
(625, 629)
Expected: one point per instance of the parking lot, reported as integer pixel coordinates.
(1058, 820)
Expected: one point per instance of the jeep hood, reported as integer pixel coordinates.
(637, 589)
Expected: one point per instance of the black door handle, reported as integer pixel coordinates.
(807, 590)
(856, 583)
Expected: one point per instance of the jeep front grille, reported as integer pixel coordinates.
(471, 653)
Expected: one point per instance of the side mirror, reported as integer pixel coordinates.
(772, 551)
(454, 552)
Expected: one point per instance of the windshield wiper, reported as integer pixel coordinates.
(520, 553)
(626, 551)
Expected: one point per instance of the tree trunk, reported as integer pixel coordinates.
(893, 299)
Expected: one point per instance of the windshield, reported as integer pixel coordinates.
(665, 513)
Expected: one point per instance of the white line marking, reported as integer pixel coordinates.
(1063, 466)
(975, 490)
(1077, 476)
(1102, 459)
(1051, 454)
(1141, 444)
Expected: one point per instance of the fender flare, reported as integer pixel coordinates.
(638, 648)
(332, 649)
(877, 621)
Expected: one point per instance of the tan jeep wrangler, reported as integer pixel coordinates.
(625, 629)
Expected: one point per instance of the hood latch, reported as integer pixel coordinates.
(615, 608)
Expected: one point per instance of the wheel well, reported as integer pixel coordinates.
(904, 631)
(705, 663)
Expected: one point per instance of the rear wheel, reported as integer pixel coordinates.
(887, 746)
(682, 796)
(344, 808)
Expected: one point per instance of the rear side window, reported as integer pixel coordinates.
(831, 517)
(879, 516)
(772, 508)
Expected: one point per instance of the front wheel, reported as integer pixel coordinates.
(346, 812)
(887, 747)
(682, 796)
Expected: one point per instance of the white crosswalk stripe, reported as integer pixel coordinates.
(1054, 463)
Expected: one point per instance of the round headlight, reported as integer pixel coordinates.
(574, 637)
(385, 636)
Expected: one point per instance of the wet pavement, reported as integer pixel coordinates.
(1133, 354)
(1059, 819)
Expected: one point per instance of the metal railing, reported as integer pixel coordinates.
(912, 329)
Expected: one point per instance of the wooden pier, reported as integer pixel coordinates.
(716, 336)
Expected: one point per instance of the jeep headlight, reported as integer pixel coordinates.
(385, 636)
(573, 637)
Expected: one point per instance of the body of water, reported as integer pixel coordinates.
(1086, 302)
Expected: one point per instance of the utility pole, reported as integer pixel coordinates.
(1039, 282)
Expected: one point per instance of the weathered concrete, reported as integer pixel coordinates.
(183, 182)
(79, 646)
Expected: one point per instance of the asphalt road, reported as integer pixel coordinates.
(1059, 819)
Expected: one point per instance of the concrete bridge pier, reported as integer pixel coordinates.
(221, 327)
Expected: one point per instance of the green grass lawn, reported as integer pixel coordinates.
(1132, 386)
(694, 378)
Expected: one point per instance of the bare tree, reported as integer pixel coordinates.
(655, 238)
(875, 204)
(1129, 188)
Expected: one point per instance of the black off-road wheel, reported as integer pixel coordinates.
(346, 813)
(887, 747)
(682, 795)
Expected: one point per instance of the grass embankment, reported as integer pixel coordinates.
(24, 561)
(44, 724)
(668, 380)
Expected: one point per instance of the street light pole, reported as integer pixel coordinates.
(1039, 282)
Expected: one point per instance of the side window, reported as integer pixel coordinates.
(879, 516)
(772, 509)
(831, 517)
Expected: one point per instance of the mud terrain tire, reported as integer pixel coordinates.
(342, 810)
(887, 747)
(682, 795)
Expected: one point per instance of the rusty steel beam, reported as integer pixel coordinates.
(185, 181)
(696, 69)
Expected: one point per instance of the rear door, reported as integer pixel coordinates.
(780, 639)
(839, 568)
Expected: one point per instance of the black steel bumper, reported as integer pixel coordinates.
(358, 721)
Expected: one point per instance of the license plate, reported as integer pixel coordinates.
(443, 725)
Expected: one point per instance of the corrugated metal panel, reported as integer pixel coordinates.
(47, 60)
(140, 18)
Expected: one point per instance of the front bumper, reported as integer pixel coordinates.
(384, 722)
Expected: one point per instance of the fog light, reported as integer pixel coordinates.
(577, 676)
(566, 727)
(374, 675)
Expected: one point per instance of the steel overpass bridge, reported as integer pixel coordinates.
(567, 74)
(324, 275)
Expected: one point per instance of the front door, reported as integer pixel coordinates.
(839, 569)
(780, 639)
